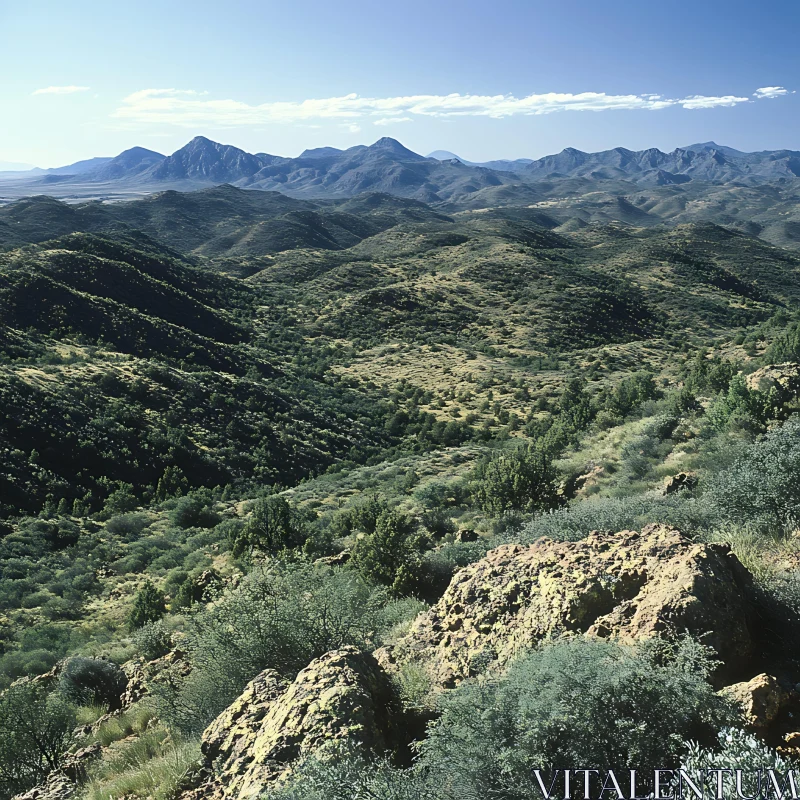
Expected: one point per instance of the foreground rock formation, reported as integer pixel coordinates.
(629, 586)
(626, 585)
(342, 696)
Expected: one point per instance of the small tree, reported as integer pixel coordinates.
(172, 483)
(274, 525)
(521, 480)
(93, 681)
(36, 731)
(121, 501)
(149, 606)
(391, 554)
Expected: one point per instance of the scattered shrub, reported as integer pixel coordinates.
(127, 526)
(193, 511)
(689, 515)
(149, 606)
(544, 712)
(736, 750)
(36, 733)
(92, 681)
(390, 555)
(153, 640)
(279, 618)
(274, 525)
(761, 485)
(521, 480)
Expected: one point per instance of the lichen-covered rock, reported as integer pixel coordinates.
(783, 378)
(625, 585)
(344, 695)
(230, 740)
(762, 699)
(63, 783)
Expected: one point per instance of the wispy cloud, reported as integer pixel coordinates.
(189, 108)
(391, 120)
(770, 91)
(62, 90)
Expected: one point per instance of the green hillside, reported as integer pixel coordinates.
(242, 432)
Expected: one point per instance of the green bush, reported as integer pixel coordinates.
(521, 480)
(92, 681)
(736, 750)
(280, 618)
(348, 774)
(153, 640)
(36, 733)
(437, 522)
(120, 501)
(274, 525)
(127, 526)
(630, 393)
(762, 485)
(741, 408)
(785, 347)
(574, 702)
(149, 606)
(193, 511)
(390, 555)
(363, 515)
(575, 521)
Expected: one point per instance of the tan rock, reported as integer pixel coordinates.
(230, 739)
(762, 700)
(626, 585)
(784, 378)
(683, 481)
(344, 695)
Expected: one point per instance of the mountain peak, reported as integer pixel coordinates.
(444, 155)
(388, 145)
(205, 160)
(320, 152)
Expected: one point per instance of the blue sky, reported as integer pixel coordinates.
(485, 80)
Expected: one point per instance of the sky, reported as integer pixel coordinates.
(485, 80)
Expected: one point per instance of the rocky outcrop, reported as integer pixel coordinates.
(344, 695)
(783, 378)
(771, 710)
(626, 585)
(63, 783)
(682, 482)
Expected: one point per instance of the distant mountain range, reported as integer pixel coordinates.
(388, 166)
(758, 193)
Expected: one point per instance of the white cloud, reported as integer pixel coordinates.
(353, 127)
(62, 90)
(190, 109)
(391, 120)
(770, 91)
(698, 101)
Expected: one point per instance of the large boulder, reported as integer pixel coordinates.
(342, 696)
(761, 698)
(783, 378)
(627, 585)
